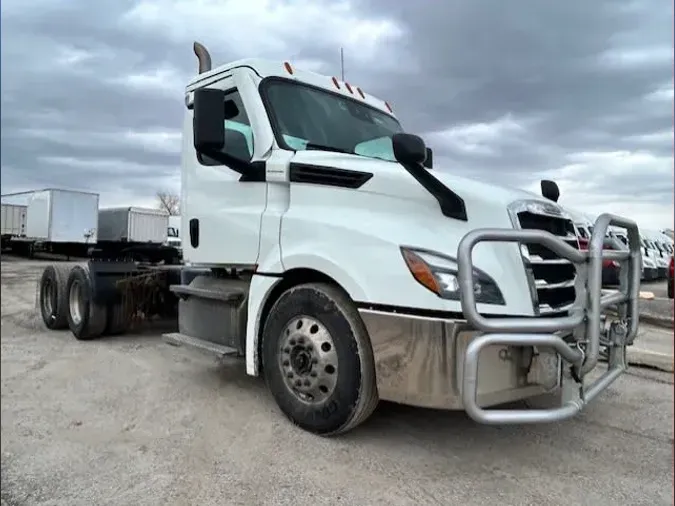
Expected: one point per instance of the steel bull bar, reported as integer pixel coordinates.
(576, 337)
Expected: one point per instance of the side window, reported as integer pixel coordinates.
(238, 131)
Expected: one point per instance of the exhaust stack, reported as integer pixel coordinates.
(203, 57)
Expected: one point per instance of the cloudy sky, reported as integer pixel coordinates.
(579, 91)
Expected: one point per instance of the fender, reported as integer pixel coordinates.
(267, 278)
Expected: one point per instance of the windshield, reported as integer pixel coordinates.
(307, 118)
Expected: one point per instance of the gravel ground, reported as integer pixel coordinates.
(132, 421)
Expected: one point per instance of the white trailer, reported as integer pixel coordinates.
(66, 222)
(133, 224)
(13, 220)
(62, 216)
(321, 250)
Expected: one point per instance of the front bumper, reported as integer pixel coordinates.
(419, 361)
(434, 362)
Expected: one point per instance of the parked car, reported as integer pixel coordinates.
(671, 268)
(651, 251)
(610, 268)
(649, 269)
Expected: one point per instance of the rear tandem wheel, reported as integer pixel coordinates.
(53, 296)
(86, 319)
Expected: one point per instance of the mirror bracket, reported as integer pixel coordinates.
(411, 153)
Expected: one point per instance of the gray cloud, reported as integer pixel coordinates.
(501, 90)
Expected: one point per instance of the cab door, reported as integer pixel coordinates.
(223, 206)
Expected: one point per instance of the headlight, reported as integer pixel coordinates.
(438, 273)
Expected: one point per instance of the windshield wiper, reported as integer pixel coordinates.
(321, 147)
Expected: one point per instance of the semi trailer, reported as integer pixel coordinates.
(70, 223)
(12, 223)
(321, 249)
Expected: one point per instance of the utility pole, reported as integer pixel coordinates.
(342, 64)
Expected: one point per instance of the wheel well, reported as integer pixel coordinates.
(289, 279)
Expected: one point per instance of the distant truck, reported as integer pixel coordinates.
(173, 232)
(321, 249)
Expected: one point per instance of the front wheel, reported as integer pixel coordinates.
(318, 361)
(670, 289)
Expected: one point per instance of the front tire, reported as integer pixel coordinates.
(86, 319)
(670, 289)
(318, 361)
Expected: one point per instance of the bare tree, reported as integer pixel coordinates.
(169, 202)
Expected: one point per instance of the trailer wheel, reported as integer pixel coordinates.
(53, 296)
(86, 319)
(318, 360)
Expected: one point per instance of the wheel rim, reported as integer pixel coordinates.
(308, 360)
(75, 302)
(48, 295)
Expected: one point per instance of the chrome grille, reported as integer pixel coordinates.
(554, 277)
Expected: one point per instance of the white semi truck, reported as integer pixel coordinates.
(321, 249)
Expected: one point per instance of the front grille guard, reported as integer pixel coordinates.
(584, 321)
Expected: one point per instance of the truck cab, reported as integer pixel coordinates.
(309, 191)
(321, 248)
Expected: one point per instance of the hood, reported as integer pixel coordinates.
(391, 209)
(390, 178)
(503, 195)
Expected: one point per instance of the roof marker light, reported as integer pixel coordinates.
(389, 107)
(335, 82)
(288, 67)
(363, 96)
(349, 88)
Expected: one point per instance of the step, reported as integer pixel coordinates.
(178, 339)
(231, 296)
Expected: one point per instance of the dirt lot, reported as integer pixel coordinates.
(133, 421)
